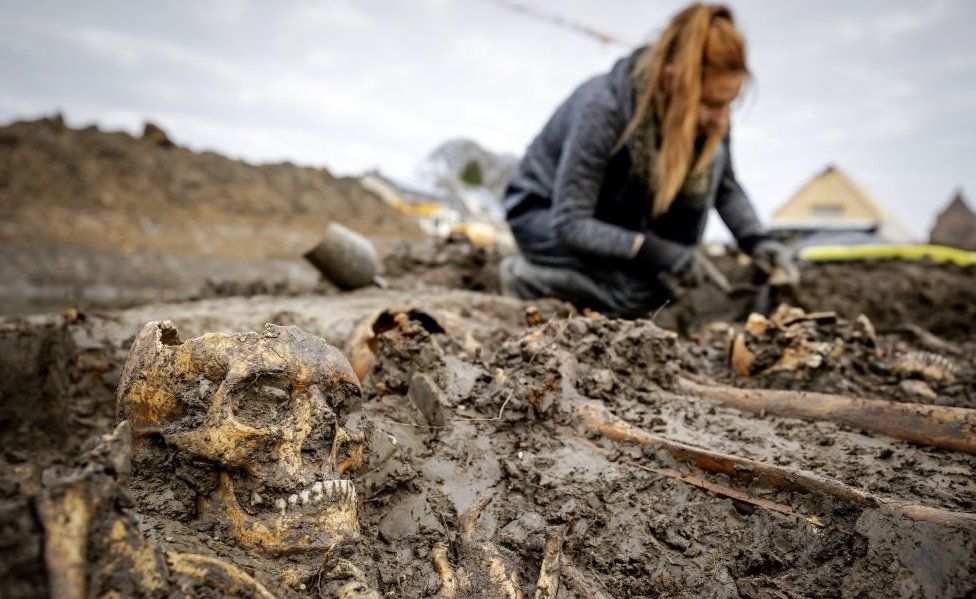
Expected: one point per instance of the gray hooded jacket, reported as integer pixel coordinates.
(573, 201)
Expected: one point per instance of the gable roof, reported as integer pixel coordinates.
(955, 225)
(833, 199)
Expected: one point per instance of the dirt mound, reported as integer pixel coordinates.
(105, 219)
(938, 297)
(903, 297)
(454, 263)
(44, 163)
(528, 440)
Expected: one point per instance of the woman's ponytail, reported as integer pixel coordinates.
(700, 37)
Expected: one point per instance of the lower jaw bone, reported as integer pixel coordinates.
(334, 521)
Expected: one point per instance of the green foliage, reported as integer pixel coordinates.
(471, 174)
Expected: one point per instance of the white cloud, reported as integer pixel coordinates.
(885, 88)
(902, 20)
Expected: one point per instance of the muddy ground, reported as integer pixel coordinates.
(482, 394)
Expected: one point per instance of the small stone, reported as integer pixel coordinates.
(154, 133)
(426, 396)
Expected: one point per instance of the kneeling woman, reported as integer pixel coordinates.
(612, 197)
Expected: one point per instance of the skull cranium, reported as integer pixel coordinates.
(256, 417)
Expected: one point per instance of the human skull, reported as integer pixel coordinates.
(256, 419)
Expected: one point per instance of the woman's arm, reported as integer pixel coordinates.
(586, 152)
(734, 207)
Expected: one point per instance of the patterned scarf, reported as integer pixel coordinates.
(644, 147)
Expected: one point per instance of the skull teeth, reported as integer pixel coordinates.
(319, 492)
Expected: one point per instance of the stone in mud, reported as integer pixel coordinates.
(154, 134)
(525, 533)
(427, 397)
(407, 517)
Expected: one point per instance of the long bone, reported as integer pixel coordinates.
(938, 426)
(594, 417)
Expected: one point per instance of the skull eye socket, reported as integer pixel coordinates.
(263, 401)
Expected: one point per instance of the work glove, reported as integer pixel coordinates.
(696, 270)
(771, 255)
(678, 266)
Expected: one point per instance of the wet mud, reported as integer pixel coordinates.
(481, 474)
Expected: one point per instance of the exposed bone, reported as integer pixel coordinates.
(938, 426)
(918, 388)
(340, 439)
(354, 461)
(716, 488)
(740, 356)
(125, 548)
(596, 418)
(864, 329)
(929, 341)
(361, 343)
(445, 571)
(90, 547)
(469, 520)
(222, 578)
(67, 519)
(302, 384)
(356, 588)
(577, 582)
(547, 586)
(931, 367)
(485, 552)
(338, 522)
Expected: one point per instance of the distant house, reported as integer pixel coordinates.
(833, 208)
(956, 225)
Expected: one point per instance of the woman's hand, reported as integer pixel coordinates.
(699, 270)
(770, 255)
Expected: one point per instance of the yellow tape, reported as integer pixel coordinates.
(936, 253)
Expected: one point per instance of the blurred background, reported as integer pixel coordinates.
(412, 116)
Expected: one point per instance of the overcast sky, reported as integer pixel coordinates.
(884, 89)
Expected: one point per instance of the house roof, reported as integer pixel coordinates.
(833, 199)
(955, 225)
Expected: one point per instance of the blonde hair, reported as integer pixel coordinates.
(701, 39)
